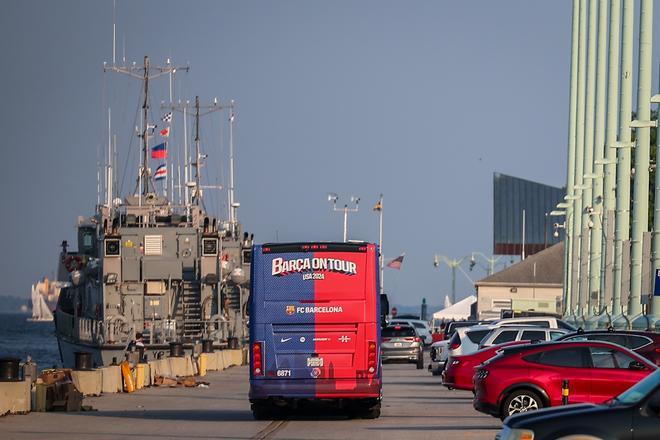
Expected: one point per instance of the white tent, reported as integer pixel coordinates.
(460, 310)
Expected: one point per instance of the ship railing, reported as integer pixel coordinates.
(90, 330)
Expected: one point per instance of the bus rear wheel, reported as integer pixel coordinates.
(267, 411)
(366, 410)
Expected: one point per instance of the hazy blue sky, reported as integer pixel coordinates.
(421, 101)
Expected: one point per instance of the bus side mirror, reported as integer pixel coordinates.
(384, 305)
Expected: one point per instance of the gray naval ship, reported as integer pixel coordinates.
(143, 265)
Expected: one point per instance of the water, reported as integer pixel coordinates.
(20, 339)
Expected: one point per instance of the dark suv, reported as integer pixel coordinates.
(645, 344)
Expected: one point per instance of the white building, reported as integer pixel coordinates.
(535, 283)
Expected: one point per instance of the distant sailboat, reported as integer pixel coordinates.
(40, 310)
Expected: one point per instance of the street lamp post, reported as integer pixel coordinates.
(491, 261)
(379, 209)
(332, 197)
(453, 264)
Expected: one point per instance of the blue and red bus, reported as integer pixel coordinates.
(315, 327)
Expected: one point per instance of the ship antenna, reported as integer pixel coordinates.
(232, 203)
(114, 32)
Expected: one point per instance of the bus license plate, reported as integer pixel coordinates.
(315, 362)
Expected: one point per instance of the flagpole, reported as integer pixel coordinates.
(380, 245)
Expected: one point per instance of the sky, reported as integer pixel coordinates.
(421, 101)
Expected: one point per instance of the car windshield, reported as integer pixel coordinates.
(640, 390)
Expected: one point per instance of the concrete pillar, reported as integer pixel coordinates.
(622, 232)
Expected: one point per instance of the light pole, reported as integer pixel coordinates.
(333, 198)
(453, 264)
(491, 261)
(379, 208)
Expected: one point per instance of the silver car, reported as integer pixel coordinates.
(401, 343)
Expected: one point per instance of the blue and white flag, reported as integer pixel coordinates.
(161, 172)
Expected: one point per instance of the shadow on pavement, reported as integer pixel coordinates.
(436, 428)
(177, 414)
(465, 398)
(71, 434)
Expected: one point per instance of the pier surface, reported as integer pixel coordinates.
(415, 406)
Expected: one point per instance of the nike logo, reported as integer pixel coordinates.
(285, 339)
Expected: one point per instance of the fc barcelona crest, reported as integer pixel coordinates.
(290, 310)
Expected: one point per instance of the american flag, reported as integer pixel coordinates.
(396, 263)
(167, 117)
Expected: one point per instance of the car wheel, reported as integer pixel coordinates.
(521, 401)
(420, 362)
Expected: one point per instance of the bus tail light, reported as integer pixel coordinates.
(257, 359)
(372, 357)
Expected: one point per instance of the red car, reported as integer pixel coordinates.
(529, 377)
(645, 344)
(460, 369)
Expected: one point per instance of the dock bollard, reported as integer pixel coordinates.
(564, 392)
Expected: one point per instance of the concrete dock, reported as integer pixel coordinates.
(415, 406)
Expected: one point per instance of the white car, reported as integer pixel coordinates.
(535, 321)
(466, 339)
(438, 352)
(420, 326)
(523, 333)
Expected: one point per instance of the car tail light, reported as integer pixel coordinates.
(418, 339)
(386, 339)
(455, 345)
(657, 350)
(257, 359)
(371, 357)
(409, 339)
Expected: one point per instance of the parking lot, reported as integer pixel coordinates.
(415, 406)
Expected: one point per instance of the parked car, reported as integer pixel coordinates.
(439, 351)
(420, 326)
(401, 343)
(460, 369)
(635, 413)
(535, 321)
(529, 377)
(454, 325)
(510, 333)
(645, 344)
(464, 345)
(466, 340)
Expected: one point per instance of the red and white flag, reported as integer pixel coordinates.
(396, 263)
(165, 132)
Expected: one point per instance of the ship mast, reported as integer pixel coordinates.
(198, 111)
(145, 172)
(145, 74)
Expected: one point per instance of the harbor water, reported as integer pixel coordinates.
(20, 338)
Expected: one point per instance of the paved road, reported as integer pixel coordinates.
(416, 406)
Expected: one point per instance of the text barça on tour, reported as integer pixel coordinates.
(283, 267)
